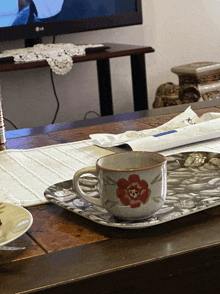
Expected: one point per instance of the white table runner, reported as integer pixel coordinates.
(26, 174)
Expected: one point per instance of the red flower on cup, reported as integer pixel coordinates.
(133, 192)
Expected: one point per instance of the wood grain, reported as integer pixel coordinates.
(32, 249)
(55, 229)
(78, 134)
(156, 121)
(133, 262)
(28, 142)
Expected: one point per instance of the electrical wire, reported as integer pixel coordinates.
(54, 90)
(57, 99)
(55, 94)
(11, 123)
(85, 117)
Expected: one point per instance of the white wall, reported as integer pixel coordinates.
(180, 32)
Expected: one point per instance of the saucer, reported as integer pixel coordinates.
(15, 221)
(193, 185)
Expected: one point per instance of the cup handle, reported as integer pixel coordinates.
(91, 170)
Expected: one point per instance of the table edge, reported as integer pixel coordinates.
(82, 274)
(12, 134)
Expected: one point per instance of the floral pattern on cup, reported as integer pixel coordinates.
(133, 192)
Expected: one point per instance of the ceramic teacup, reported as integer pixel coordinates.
(131, 185)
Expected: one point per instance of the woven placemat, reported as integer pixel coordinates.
(25, 174)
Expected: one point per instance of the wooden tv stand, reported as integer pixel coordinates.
(138, 72)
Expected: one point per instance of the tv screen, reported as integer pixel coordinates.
(25, 19)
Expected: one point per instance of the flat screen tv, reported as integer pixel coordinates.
(34, 19)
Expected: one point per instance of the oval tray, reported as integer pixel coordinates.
(193, 185)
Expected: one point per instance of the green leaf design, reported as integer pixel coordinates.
(158, 199)
(110, 203)
(109, 181)
(158, 178)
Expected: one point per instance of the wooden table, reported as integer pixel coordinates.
(138, 73)
(69, 254)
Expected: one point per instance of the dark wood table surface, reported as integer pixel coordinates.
(69, 254)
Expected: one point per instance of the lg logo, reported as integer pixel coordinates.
(38, 29)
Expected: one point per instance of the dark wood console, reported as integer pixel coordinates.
(138, 72)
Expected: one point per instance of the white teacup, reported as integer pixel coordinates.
(132, 185)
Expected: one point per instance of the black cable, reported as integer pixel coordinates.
(57, 99)
(55, 94)
(91, 112)
(11, 123)
(54, 90)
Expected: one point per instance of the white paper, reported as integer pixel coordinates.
(186, 128)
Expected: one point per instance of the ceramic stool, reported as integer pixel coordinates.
(169, 94)
(203, 75)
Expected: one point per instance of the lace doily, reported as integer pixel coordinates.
(58, 56)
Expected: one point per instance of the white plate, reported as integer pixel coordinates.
(193, 185)
(15, 220)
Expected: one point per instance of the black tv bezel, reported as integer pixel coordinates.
(32, 31)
